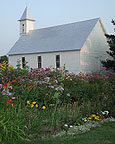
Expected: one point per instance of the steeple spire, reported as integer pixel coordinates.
(26, 22)
(26, 15)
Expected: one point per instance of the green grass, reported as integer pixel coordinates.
(99, 135)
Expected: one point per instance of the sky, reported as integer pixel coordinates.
(49, 13)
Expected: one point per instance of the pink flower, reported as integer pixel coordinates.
(104, 68)
(68, 94)
(56, 89)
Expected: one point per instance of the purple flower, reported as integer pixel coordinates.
(4, 92)
(10, 87)
(56, 81)
(13, 98)
(8, 93)
(51, 86)
(61, 88)
(47, 79)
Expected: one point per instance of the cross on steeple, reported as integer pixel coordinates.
(26, 3)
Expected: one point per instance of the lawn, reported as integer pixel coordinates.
(100, 135)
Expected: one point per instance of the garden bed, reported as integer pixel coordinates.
(40, 103)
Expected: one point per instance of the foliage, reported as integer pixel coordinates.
(40, 101)
(110, 63)
(3, 66)
(11, 128)
(3, 58)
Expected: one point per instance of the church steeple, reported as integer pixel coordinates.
(26, 22)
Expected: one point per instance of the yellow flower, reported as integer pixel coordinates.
(37, 105)
(34, 102)
(28, 102)
(32, 105)
(93, 115)
(97, 118)
(89, 118)
(43, 107)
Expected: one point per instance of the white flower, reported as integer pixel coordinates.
(66, 125)
(71, 126)
(105, 112)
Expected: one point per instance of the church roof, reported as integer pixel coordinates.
(26, 15)
(52, 39)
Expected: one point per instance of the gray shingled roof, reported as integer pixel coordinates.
(58, 38)
(26, 15)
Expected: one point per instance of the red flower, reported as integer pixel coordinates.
(5, 85)
(12, 81)
(7, 101)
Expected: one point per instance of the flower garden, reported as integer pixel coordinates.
(39, 103)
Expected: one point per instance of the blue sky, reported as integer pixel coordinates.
(49, 13)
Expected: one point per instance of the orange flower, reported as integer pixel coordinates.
(12, 104)
(35, 86)
(12, 81)
(10, 100)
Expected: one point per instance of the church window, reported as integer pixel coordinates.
(39, 61)
(23, 27)
(57, 61)
(23, 62)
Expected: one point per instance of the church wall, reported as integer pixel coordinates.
(30, 26)
(26, 26)
(94, 50)
(71, 60)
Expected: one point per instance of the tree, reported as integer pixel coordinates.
(3, 58)
(110, 63)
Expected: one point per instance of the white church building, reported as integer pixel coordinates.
(80, 46)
